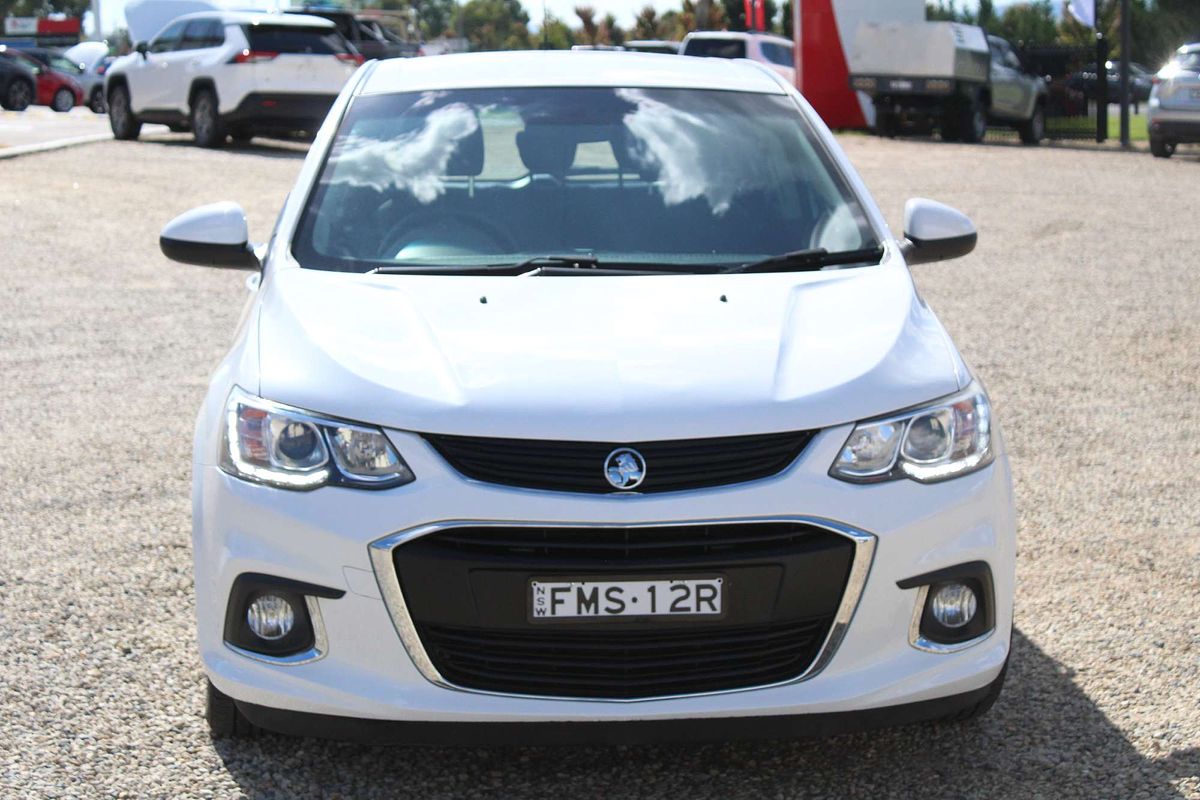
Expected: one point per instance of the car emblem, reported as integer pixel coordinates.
(625, 468)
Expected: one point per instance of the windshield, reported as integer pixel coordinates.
(497, 176)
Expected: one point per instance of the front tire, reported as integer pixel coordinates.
(96, 101)
(1033, 130)
(972, 121)
(207, 130)
(19, 96)
(1161, 148)
(63, 101)
(120, 115)
(225, 721)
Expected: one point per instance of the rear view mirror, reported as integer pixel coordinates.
(935, 232)
(141, 48)
(214, 235)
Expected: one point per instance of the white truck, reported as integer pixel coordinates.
(946, 75)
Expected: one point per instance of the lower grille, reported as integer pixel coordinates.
(580, 466)
(624, 664)
(467, 592)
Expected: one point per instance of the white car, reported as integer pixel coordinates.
(1173, 113)
(223, 73)
(587, 396)
(774, 51)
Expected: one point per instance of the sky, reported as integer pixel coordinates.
(112, 12)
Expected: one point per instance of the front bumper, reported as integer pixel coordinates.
(324, 537)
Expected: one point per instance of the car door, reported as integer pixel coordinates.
(1011, 92)
(201, 47)
(149, 85)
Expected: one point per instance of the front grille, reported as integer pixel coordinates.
(624, 664)
(621, 544)
(467, 593)
(671, 465)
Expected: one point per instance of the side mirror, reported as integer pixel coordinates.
(141, 49)
(935, 232)
(214, 235)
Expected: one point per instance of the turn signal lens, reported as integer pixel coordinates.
(367, 455)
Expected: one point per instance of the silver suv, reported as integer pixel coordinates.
(1174, 114)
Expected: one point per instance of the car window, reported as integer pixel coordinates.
(716, 48)
(201, 33)
(1189, 61)
(777, 54)
(169, 39)
(295, 39)
(463, 177)
(65, 65)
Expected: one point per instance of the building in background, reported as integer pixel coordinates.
(825, 31)
(55, 30)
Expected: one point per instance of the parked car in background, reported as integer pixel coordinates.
(1141, 81)
(947, 76)
(1173, 113)
(653, 46)
(18, 83)
(774, 51)
(367, 35)
(55, 88)
(640, 429)
(91, 58)
(233, 73)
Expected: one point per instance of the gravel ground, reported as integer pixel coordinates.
(1079, 309)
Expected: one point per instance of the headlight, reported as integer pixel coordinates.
(946, 439)
(293, 449)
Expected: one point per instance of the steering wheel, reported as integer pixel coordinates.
(448, 228)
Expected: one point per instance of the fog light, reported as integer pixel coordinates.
(953, 605)
(270, 617)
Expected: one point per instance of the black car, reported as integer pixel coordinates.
(18, 86)
(369, 37)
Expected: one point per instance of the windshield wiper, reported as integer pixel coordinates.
(807, 260)
(566, 261)
(540, 265)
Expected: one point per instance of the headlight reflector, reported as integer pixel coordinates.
(948, 438)
(286, 447)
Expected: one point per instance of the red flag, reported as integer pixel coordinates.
(748, 6)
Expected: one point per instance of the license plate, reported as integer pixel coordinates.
(683, 597)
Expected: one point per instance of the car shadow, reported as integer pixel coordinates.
(269, 148)
(1044, 738)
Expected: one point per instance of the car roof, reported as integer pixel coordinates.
(533, 68)
(738, 35)
(258, 18)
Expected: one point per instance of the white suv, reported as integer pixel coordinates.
(775, 52)
(1174, 111)
(231, 74)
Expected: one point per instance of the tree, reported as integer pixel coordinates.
(689, 16)
(1028, 23)
(648, 25)
(587, 20)
(671, 25)
(946, 11)
(435, 17)
(610, 32)
(496, 25)
(41, 8)
(785, 20)
(554, 35)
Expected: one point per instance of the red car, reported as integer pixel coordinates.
(60, 92)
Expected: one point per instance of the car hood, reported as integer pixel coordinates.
(602, 358)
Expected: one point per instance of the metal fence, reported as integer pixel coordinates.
(1077, 107)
